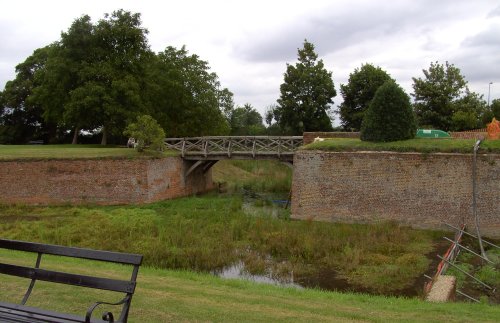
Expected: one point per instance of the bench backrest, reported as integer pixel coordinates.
(36, 273)
(109, 256)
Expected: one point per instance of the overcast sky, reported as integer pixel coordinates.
(249, 43)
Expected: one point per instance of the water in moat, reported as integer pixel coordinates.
(325, 279)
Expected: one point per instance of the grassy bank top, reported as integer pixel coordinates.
(413, 145)
(15, 152)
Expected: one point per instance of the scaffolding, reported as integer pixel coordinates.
(456, 247)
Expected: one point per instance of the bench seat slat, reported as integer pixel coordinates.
(69, 279)
(117, 257)
(21, 313)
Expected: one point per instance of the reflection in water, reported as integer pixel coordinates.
(237, 271)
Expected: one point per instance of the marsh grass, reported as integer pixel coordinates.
(256, 175)
(211, 232)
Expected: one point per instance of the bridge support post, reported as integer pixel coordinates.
(205, 165)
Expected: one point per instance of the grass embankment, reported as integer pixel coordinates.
(179, 296)
(211, 232)
(45, 152)
(414, 145)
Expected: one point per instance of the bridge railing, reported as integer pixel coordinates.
(229, 146)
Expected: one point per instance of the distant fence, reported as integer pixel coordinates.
(470, 134)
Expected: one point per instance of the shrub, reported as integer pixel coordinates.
(389, 116)
(147, 132)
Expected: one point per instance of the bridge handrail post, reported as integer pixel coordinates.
(229, 147)
(183, 147)
(253, 147)
(279, 147)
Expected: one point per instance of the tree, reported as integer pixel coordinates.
(358, 93)
(390, 116)
(147, 132)
(185, 97)
(495, 108)
(22, 117)
(442, 94)
(100, 76)
(121, 53)
(306, 95)
(470, 112)
(62, 91)
(95, 75)
(246, 121)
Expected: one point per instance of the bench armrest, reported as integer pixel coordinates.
(108, 316)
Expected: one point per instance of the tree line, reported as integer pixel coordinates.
(441, 98)
(99, 77)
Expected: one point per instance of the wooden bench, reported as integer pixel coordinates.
(21, 313)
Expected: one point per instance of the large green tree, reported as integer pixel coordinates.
(21, 118)
(95, 76)
(443, 100)
(61, 83)
(185, 97)
(358, 93)
(117, 77)
(306, 95)
(100, 76)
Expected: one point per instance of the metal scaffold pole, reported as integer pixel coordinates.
(474, 203)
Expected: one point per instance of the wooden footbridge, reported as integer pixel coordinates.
(206, 151)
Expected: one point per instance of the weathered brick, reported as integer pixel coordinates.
(420, 190)
(100, 181)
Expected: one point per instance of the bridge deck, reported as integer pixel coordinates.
(236, 147)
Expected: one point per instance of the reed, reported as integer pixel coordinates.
(210, 232)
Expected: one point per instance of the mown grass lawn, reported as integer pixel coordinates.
(182, 296)
(422, 145)
(13, 152)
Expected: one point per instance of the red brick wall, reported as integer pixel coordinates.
(421, 190)
(103, 181)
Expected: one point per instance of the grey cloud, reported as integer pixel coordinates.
(338, 28)
(488, 37)
(494, 13)
(478, 57)
(327, 33)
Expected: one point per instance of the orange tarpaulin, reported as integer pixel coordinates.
(493, 129)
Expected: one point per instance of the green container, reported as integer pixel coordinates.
(432, 133)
